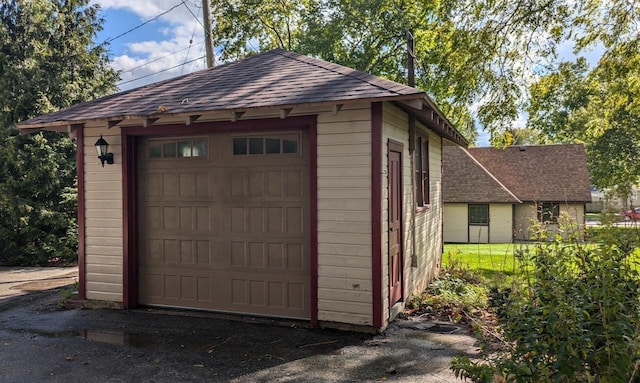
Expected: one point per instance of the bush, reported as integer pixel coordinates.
(573, 317)
(38, 199)
(627, 238)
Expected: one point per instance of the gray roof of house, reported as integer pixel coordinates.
(273, 79)
(556, 173)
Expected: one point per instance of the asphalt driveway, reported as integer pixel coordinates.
(40, 342)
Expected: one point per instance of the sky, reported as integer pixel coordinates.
(172, 44)
(152, 40)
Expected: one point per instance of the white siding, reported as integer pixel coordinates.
(456, 228)
(344, 216)
(103, 217)
(575, 212)
(478, 234)
(501, 223)
(526, 214)
(429, 223)
(422, 260)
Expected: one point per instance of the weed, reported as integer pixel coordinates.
(572, 316)
(66, 294)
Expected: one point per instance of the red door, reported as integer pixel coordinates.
(395, 226)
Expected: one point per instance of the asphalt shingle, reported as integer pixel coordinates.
(556, 173)
(276, 78)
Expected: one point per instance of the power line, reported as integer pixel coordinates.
(143, 24)
(195, 65)
(192, 14)
(190, 40)
(160, 71)
(157, 59)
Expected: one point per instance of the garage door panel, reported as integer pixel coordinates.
(273, 183)
(187, 185)
(268, 256)
(268, 183)
(294, 184)
(295, 257)
(152, 185)
(237, 293)
(238, 255)
(227, 232)
(255, 183)
(177, 218)
(269, 294)
(282, 219)
(186, 252)
(170, 218)
(186, 218)
(170, 185)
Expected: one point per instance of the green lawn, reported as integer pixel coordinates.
(491, 260)
(593, 216)
(488, 259)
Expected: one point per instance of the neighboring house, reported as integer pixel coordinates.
(279, 185)
(492, 195)
(608, 200)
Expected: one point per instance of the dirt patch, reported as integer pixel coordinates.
(45, 284)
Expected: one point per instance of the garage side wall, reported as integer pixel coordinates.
(344, 216)
(422, 252)
(429, 240)
(103, 217)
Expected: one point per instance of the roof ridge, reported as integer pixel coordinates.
(340, 69)
(491, 175)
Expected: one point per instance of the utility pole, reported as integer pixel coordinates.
(208, 42)
(411, 71)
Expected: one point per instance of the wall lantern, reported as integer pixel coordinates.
(102, 146)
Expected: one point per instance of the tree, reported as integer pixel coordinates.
(518, 136)
(48, 61)
(599, 107)
(473, 57)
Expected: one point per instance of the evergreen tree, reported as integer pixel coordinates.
(48, 61)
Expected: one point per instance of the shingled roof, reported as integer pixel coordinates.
(556, 173)
(273, 79)
(465, 180)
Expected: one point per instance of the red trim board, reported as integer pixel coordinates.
(376, 212)
(82, 280)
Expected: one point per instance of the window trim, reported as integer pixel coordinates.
(422, 176)
(160, 144)
(283, 137)
(469, 214)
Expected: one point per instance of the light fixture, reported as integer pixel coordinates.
(102, 146)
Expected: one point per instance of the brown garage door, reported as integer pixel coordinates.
(223, 223)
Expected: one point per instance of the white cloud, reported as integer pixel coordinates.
(165, 48)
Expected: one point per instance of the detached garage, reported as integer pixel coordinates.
(278, 185)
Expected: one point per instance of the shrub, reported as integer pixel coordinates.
(573, 317)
